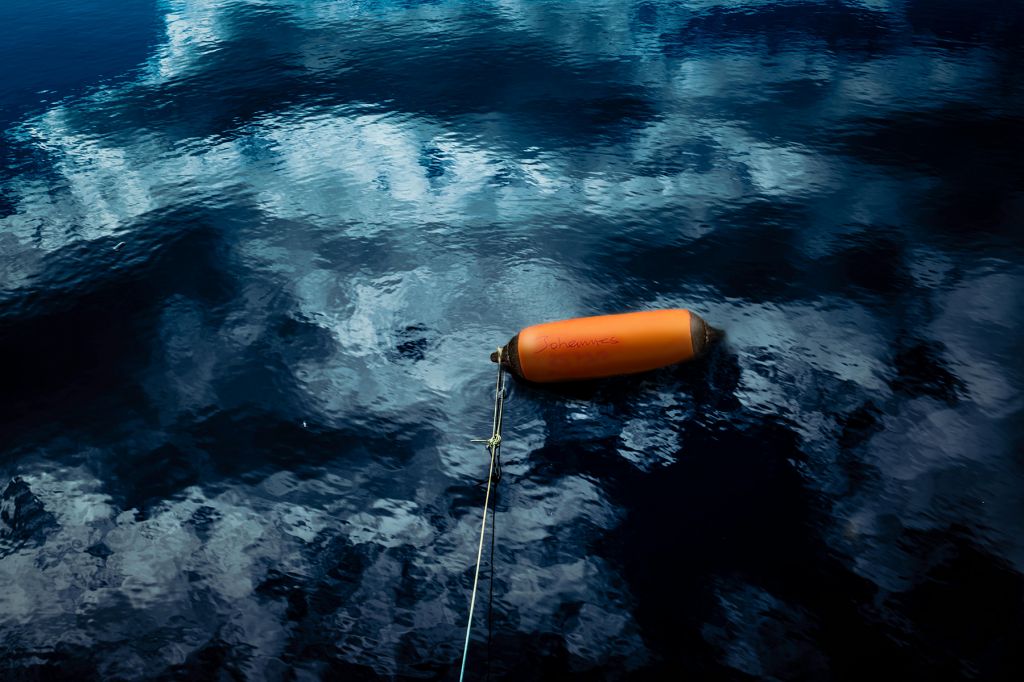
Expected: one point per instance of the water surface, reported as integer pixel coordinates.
(254, 257)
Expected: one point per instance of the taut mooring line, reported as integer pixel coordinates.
(494, 447)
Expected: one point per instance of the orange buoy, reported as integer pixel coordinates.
(604, 346)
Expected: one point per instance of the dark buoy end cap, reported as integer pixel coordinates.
(702, 335)
(510, 357)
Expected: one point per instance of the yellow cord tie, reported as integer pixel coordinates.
(491, 442)
(494, 447)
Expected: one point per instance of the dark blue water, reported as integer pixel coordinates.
(254, 257)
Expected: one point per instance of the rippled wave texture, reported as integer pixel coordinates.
(254, 257)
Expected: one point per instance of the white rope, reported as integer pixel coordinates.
(494, 447)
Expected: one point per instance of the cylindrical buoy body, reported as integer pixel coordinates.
(604, 346)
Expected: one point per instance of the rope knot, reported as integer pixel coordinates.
(492, 442)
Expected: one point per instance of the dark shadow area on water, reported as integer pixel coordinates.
(842, 28)
(83, 340)
(733, 524)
